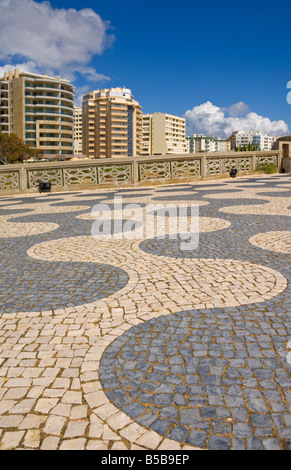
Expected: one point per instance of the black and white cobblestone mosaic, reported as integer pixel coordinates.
(106, 345)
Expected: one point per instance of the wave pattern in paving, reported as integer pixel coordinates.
(50, 389)
(196, 377)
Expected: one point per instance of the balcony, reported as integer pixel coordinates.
(43, 96)
(42, 140)
(70, 100)
(46, 105)
(121, 114)
(41, 88)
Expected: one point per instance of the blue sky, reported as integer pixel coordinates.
(181, 54)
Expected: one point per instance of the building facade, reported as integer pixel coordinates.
(243, 139)
(39, 110)
(112, 124)
(200, 143)
(163, 134)
(146, 145)
(78, 132)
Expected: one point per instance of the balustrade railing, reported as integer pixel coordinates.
(130, 170)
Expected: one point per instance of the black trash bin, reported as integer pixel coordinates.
(44, 187)
(233, 172)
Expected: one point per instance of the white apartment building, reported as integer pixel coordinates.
(112, 123)
(39, 110)
(200, 143)
(163, 134)
(243, 139)
(77, 128)
(146, 143)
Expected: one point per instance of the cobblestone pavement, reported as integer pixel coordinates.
(136, 343)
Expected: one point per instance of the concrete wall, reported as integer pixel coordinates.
(130, 171)
(286, 164)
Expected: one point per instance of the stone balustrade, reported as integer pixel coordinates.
(93, 173)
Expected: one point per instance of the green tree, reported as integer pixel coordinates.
(249, 148)
(13, 150)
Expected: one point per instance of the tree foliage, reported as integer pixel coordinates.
(13, 150)
(268, 168)
(247, 148)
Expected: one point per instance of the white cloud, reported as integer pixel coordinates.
(79, 93)
(237, 109)
(212, 121)
(91, 74)
(29, 66)
(51, 40)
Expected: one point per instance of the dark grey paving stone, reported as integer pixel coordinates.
(178, 433)
(161, 426)
(238, 444)
(264, 432)
(189, 416)
(170, 412)
(146, 419)
(197, 438)
(163, 399)
(218, 443)
(208, 412)
(271, 444)
(257, 404)
(285, 433)
(261, 420)
(220, 427)
(242, 430)
(239, 414)
(134, 409)
(253, 443)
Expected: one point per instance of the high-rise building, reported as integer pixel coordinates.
(195, 143)
(243, 139)
(5, 106)
(77, 131)
(146, 146)
(112, 122)
(200, 143)
(163, 134)
(39, 110)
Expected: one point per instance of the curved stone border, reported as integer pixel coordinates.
(279, 241)
(3, 204)
(206, 224)
(153, 200)
(274, 207)
(40, 401)
(164, 281)
(23, 229)
(46, 208)
(175, 374)
(123, 427)
(212, 224)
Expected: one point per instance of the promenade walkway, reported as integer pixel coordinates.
(140, 344)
